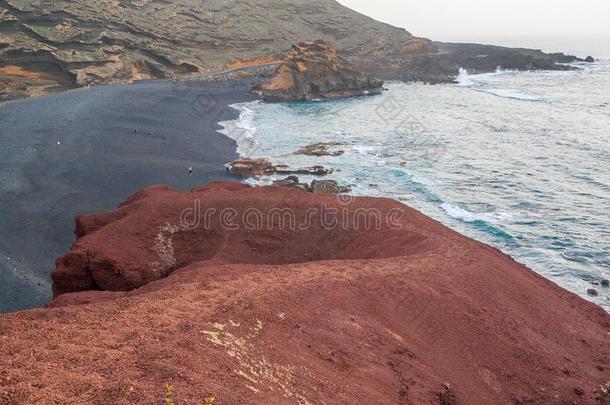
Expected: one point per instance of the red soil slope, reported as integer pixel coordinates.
(406, 312)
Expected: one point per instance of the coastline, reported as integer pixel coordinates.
(201, 204)
(221, 311)
(548, 236)
(25, 281)
(77, 151)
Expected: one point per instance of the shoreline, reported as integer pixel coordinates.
(253, 73)
(76, 151)
(36, 282)
(502, 232)
(274, 312)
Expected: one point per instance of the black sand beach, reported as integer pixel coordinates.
(86, 151)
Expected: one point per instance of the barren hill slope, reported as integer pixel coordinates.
(315, 311)
(47, 45)
(92, 41)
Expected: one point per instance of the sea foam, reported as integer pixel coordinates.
(480, 82)
(242, 130)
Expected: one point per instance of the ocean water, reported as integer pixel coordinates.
(518, 160)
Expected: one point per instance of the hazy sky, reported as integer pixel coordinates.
(459, 19)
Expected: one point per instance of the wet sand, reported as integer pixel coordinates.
(87, 150)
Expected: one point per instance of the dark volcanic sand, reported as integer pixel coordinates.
(98, 162)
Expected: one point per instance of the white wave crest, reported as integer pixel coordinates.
(462, 214)
(242, 129)
(363, 149)
(463, 78)
(478, 82)
(459, 213)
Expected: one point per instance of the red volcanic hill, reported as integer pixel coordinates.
(274, 295)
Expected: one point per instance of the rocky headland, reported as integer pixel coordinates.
(313, 70)
(248, 296)
(442, 65)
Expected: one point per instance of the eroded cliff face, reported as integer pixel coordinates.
(160, 230)
(85, 42)
(313, 70)
(249, 304)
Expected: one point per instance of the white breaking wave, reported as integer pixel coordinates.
(462, 214)
(463, 79)
(478, 83)
(459, 213)
(502, 71)
(363, 149)
(258, 182)
(242, 130)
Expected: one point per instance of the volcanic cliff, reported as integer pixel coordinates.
(51, 45)
(59, 44)
(275, 295)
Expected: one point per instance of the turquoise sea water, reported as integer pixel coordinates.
(519, 160)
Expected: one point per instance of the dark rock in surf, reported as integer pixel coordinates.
(287, 182)
(317, 186)
(259, 167)
(320, 149)
(328, 187)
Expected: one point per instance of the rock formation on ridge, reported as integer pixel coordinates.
(313, 70)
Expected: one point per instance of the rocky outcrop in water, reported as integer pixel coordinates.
(316, 186)
(328, 187)
(260, 167)
(320, 149)
(313, 70)
(272, 295)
